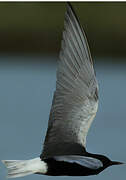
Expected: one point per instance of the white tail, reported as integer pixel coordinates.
(19, 168)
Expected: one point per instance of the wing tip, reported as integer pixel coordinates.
(71, 10)
(69, 4)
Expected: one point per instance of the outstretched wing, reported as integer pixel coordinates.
(75, 100)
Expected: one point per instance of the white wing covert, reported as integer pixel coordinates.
(85, 161)
(75, 100)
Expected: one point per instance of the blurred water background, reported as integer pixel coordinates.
(30, 36)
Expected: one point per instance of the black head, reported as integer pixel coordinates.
(106, 161)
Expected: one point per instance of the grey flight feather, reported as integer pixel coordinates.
(75, 100)
(88, 162)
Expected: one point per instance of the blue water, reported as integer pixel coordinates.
(26, 91)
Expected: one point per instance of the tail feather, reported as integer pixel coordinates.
(19, 168)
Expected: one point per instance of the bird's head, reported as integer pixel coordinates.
(107, 162)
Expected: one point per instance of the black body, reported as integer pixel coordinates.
(57, 168)
(60, 168)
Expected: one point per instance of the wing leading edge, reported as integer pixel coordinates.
(75, 100)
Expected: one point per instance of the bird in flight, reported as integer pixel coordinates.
(74, 107)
